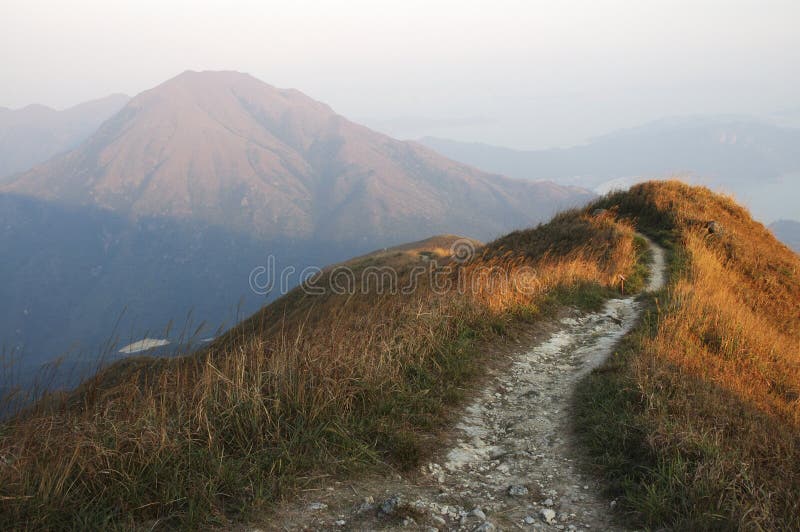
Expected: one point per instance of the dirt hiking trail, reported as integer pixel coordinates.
(510, 462)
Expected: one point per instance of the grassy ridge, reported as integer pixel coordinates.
(310, 385)
(696, 419)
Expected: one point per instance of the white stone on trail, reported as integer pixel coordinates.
(517, 491)
(477, 512)
(548, 516)
(389, 505)
(316, 506)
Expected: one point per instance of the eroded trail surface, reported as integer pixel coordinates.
(511, 463)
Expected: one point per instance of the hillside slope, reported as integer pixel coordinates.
(696, 421)
(514, 432)
(693, 420)
(315, 383)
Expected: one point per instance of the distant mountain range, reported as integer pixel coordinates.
(757, 162)
(729, 148)
(172, 202)
(35, 133)
(787, 231)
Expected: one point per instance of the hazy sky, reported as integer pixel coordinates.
(517, 73)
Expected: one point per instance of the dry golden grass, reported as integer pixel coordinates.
(705, 427)
(310, 384)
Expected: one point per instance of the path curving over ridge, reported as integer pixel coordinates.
(511, 463)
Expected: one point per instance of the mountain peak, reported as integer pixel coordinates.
(230, 98)
(227, 149)
(200, 77)
(195, 81)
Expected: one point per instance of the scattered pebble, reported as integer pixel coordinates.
(439, 520)
(548, 516)
(477, 512)
(390, 505)
(517, 491)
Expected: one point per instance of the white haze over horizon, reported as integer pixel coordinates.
(524, 74)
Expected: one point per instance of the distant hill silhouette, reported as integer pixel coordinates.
(35, 133)
(717, 147)
(788, 232)
(723, 148)
(757, 162)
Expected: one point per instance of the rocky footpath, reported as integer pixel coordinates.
(511, 463)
